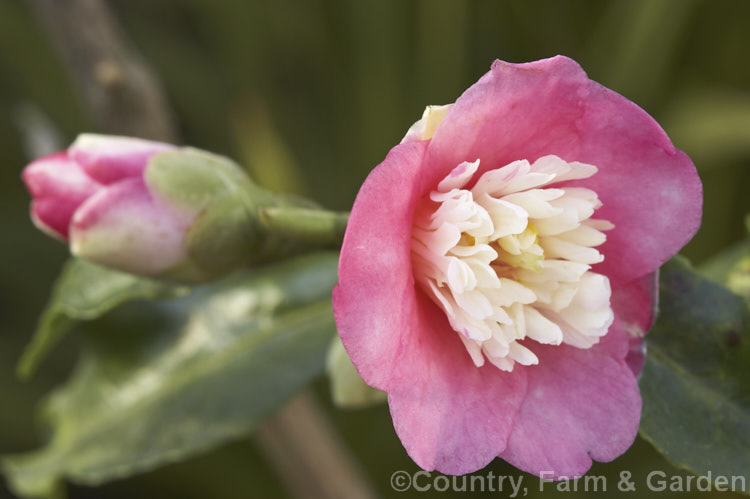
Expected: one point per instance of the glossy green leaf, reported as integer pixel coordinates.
(171, 379)
(696, 382)
(85, 291)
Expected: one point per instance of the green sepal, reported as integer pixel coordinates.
(348, 390)
(192, 179)
(235, 222)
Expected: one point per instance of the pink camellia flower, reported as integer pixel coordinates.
(498, 270)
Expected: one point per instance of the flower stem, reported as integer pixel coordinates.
(306, 225)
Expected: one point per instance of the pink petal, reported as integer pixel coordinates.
(636, 357)
(450, 415)
(650, 190)
(375, 296)
(123, 227)
(52, 217)
(579, 405)
(635, 305)
(110, 158)
(58, 186)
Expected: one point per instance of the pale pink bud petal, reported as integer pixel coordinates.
(124, 227)
(109, 158)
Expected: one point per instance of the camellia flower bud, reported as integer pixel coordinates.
(152, 209)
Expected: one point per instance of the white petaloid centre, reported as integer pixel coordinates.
(509, 259)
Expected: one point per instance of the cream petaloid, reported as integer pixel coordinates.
(508, 259)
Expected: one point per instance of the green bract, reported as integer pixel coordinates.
(226, 206)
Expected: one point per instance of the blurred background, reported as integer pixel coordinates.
(310, 96)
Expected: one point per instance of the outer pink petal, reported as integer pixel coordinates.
(650, 190)
(580, 404)
(122, 226)
(635, 305)
(450, 415)
(58, 186)
(110, 158)
(375, 295)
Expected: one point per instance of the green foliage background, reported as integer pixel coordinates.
(310, 95)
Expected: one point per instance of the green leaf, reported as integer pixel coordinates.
(696, 382)
(85, 291)
(171, 379)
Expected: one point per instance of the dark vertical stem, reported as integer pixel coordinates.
(308, 455)
(120, 93)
